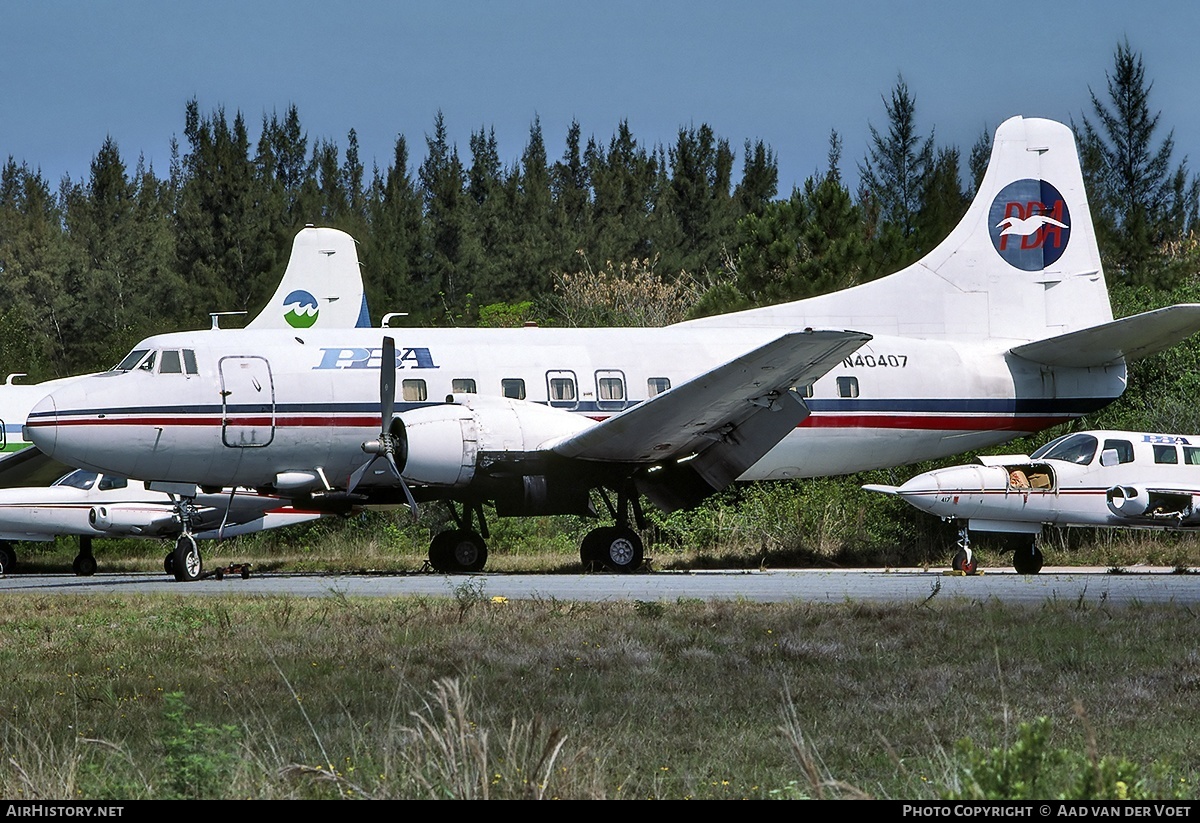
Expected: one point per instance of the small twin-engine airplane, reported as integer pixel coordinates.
(1003, 329)
(1091, 478)
(322, 287)
(88, 505)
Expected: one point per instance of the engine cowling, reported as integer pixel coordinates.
(441, 445)
(1145, 503)
(130, 520)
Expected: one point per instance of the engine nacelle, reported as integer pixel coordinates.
(130, 520)
(441, 445)
(1141, 502)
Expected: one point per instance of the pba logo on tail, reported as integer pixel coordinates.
(301, 308)
(1029, 224)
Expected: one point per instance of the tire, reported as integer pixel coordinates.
(591, 552)
(962, 564)
(619, 549)
(8, 557)
(1028, 560)
(169, 563)
(456, 551)
(186, 563)
(84, 565)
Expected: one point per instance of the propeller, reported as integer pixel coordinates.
(385, 445)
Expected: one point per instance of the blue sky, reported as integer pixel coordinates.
(787, 73)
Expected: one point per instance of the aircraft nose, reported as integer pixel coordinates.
(41, 427)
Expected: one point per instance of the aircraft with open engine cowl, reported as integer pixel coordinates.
(1003, 329)
(1115, 479)
(321, 287)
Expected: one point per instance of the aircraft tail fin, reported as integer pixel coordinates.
(322, 286)
(1023, 264)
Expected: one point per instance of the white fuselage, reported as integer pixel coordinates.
(1095, 478)
(260, 404)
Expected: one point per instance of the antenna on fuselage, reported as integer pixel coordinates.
(215, 316)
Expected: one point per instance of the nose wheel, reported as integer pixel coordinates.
(964, 559)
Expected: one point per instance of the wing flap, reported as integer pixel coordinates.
(702, 434)
(1129, 338)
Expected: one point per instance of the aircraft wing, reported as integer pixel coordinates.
(30, 467)
(726, 419)
(1131, 338)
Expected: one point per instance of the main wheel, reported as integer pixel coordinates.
(169, 563)
(591, 550)
(84, 565)
(1028, 559)
(186, 564)
(963, 562)
(8, 557)
(616, 548)
(458, 550)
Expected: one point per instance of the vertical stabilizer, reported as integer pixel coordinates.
(1023, 264)
(321, 288)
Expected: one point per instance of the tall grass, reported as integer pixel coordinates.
(466, 696)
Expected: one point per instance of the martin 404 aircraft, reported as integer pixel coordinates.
(1092, 478)
(1003, 329)
(321, 287)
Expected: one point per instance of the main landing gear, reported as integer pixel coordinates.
(85, 562)
(1027, 559)
(461, 549)
(617, 548)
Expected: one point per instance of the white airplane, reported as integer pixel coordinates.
(321, 287)
(88, 505)
(988, 337)
(1091, 478)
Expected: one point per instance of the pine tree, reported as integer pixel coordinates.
(1139, 203)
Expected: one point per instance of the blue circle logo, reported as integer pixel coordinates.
(1029, 224)
(301, 309)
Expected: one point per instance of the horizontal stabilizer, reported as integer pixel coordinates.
(1129, 338)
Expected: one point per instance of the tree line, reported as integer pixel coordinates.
(89, 267)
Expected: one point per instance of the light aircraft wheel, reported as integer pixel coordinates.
(8, 557)
(84, 565)
(964, 563)
(458, 550)
(1028, 559)
(185, 560)
(618, 548)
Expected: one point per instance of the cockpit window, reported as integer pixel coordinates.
(78, 479)
(1074, 448)
(131, 360)
(148, 363)
(170, 363)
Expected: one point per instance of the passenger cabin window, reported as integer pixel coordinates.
(1166, 454)
(847, 386)
(657, 385)
(413, 391)
(1074, 448)
(804, 391)
(560, 388)
(107, 483)
(513, 387)
(1191, 455)
(610, 389)
(1123, 448)
(463, 385)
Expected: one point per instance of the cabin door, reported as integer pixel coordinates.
(247, 402)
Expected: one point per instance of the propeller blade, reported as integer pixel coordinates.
(387, 382)
(412, 503)
(357, 477)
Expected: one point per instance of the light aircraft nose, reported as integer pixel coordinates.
(954, 491)
(41, 427)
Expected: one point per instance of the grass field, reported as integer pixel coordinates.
(466, 696)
